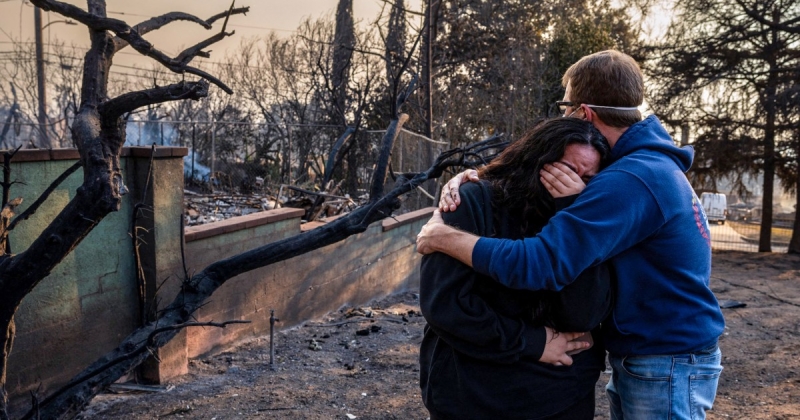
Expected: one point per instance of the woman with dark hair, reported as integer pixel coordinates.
(483, 355)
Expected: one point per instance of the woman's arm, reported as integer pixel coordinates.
(458, 314)
(464, 319)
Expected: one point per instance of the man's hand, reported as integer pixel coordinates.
(560, 180)
(426, 239)
(560, 345)
(450, 199)
(436, 236)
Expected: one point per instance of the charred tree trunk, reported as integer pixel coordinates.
(99, 132)
(426, 83)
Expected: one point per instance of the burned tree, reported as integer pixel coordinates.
(99, 133)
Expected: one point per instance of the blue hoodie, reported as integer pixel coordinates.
(641, 215)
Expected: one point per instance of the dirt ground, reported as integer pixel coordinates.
(362, 362)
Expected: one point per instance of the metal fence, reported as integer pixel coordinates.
(743, 235)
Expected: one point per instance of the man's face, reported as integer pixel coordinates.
(583, 159)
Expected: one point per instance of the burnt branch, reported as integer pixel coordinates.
(231, 12)
(129, 35)
(42, 198)
(189, 54)
(138, 208)
(147, 345)
(334, 159)
(7, 183)
(98, 23)
(115, 108)
(158, 22)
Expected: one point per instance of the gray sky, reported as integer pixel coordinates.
(283, 16)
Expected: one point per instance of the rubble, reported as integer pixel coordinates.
(207, 208)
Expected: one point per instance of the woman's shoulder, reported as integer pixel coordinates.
(475, 207)
(475, 189)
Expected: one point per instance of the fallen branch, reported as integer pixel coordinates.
(148, 344)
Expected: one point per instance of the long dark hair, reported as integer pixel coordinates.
(514, 174)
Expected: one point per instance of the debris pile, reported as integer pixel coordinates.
(206, 208)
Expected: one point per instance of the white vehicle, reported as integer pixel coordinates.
(715, 206)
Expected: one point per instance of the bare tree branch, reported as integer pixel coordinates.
(791, 26)
(233, 11)
(128, 102)
(146, 345)
(158, 22)
(127, 34)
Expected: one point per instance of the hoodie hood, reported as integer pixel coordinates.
(650, 134)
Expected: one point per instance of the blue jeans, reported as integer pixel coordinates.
(664, 387)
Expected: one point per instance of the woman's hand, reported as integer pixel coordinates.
(560, 180)
(561, 345)
(450, 199)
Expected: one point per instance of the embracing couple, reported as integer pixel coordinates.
(582, 237)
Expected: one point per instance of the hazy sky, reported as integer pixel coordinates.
(283, 16)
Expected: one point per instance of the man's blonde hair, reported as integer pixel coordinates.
(607, 78)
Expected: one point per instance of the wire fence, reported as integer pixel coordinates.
(743, 235)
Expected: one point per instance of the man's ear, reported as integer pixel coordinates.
(588, 113)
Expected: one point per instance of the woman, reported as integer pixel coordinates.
(480, 355)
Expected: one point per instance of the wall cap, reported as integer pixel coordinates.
(194, 233)
(390, 223)
(37, 155)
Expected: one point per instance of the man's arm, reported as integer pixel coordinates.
(436, 236)
(615, 212)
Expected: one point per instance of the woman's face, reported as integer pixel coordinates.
(583, 159)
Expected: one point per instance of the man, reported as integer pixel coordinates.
(642, 216)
